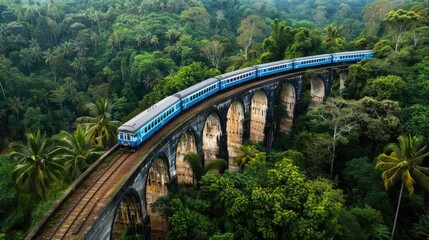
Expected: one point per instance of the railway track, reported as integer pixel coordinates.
(87, 200)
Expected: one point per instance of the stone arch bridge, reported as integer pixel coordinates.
(212, 129)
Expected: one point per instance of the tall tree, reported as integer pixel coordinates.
(99, 125)
(250, 29)
(373, 14)
(36, 169)
(213, 50)
(399, 22)
(341, 117)
(402, 162)
(196, 17)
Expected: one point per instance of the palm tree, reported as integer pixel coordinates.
(15, 106)
(78, 151)
(154, 41)
(99, 125)
(332, 33)
(67, 48)
(36, 169)
(402, 162)
(35, 50)
(95, 39)
(26, 59)
(139, 41)
(116, 39)
(246, 153)
(79, 65)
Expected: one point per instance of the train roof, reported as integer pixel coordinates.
(313, 57)
(274, 63)
(352, 52)
(147, 115)
(236, 72)
(192, 89)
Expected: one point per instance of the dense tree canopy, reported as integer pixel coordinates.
(59, 57)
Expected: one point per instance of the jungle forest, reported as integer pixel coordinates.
(354, 167)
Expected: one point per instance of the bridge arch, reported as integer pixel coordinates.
(156, 186)
(317, 90)
(258, 116)
(288, 98)
(234, 129)
(211, 138)
(187, 143)
(128, 215)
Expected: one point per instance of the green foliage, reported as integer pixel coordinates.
(36, 167)
(275, 46)
(55, 56)
(385, 87)
(416, 120)
(77, 151)
(363, 186)
(421, 228)
(356, 82)
(340, 117)
(306, 42)
(100, 127)
(258, 203)
(245, 154)
(379, 119)
(400, 21)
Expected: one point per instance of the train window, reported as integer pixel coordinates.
(121, 136)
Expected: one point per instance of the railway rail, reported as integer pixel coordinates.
(84, 203)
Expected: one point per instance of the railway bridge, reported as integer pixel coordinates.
(116, 193)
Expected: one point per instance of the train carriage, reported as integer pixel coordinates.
(274, 68)
(141, 127)
(198, 92)
(351, 56)
(236, 77)
(132, 133)
(312, 61)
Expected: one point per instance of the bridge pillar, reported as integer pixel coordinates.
(320, 86)
(258, 116)
(270, 123)
(235, 122)
(344, 73)
(211, 137)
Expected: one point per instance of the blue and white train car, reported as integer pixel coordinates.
(198, 92)
(132, 133)
(236, 77)
(267, 69)
(351, 56)
(312, 61)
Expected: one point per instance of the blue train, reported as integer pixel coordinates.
(135, 131)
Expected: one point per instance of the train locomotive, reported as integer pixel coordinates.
(138, 129)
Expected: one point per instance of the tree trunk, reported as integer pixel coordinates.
(333, 151)
(2, 89)
(397, 211)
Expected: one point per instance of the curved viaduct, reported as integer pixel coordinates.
(131, 182)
